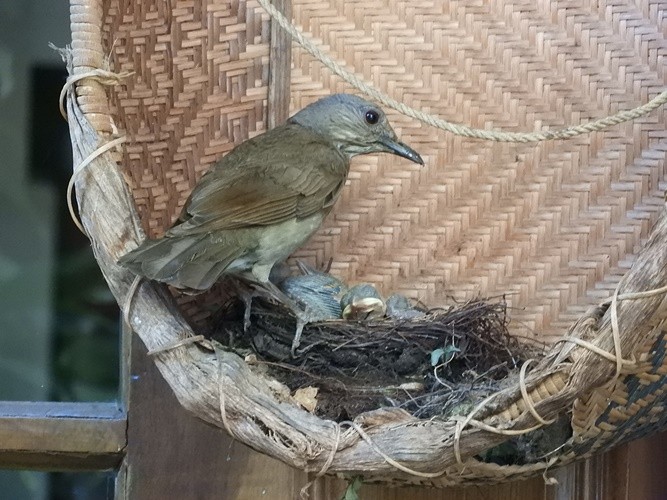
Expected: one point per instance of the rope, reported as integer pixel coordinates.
(593, 348)
(616, 335)
(303, 495)
(463, 422)
(78, 169)
(434, 121)
(386, 457)
(129, 299)
(616, 357)
(549, 480)
(526, 397)
(176, 343)
(103, 76)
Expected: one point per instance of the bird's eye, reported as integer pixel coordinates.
(372, 117)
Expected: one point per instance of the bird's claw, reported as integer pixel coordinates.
(271, 291)
(300, 323)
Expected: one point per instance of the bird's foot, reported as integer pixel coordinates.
(302, 315)
(301, 321)
(297, 337)
(269, 290)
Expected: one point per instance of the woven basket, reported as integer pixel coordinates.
(555, 226)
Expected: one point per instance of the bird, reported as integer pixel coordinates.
(267, 196)
(400, 307)
(362, 301)
(317, 291)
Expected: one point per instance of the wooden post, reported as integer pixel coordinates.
(172, 454)
(280, 64)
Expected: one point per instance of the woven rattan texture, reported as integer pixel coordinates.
(630, 408)
(199, 87)
(553, 225)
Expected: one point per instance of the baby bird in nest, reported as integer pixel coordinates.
(264, 199)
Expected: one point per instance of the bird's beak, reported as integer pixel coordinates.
(400, 149)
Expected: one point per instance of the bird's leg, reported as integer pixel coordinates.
(246, 297)
(296, 341)
(302, 316)
(261, 279)
(245, 292)
(268, 289)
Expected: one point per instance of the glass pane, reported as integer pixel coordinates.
(81, 486)
(31, 485)
(58, 322)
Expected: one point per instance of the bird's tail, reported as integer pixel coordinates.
(183, 262)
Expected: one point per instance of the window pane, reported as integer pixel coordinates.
(32, 485)
(24, 485)
(58, 321)
(81, 486)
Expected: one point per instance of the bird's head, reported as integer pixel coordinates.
(354, 125)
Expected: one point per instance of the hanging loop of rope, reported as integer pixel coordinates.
(434, 121)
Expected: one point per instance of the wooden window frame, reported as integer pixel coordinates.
(62, 436)
(69, 436)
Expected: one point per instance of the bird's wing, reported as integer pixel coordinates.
(258, 184)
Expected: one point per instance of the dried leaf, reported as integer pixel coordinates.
(306, 397)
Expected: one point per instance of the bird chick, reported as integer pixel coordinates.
(400, 307)
(318, 292)
(266, 197)
(362, 302)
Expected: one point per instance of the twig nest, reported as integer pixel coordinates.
(432, 364)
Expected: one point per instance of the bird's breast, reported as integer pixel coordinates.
(284, 238)
(276, 242)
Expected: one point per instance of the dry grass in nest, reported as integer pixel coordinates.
(434, 366)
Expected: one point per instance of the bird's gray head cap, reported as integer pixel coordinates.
(354, 125)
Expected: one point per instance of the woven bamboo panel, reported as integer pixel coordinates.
(199, 87)
(554, 225)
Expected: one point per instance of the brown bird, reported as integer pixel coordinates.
(266, 197)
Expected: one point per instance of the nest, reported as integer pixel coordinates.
(436, 365)
(520, 210)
